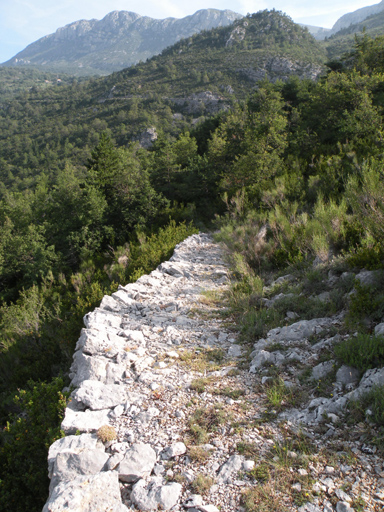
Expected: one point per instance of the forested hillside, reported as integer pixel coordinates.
(198, 77)
(84, 208)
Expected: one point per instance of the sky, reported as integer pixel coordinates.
(24, 21)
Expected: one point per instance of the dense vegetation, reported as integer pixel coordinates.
(81, 210)
(43, 129)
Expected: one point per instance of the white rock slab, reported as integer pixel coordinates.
(96, 395)
(87, 494)
(87, 421)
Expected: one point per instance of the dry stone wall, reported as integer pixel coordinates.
(123, 362)
(195, 430)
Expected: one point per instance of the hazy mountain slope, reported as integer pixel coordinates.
(355, 17)
(343, 40)
(318, 33)
(117, 41)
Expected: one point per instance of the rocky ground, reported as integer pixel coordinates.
(200, 422)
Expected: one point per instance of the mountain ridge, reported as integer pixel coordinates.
(354, 17)
(119, 40)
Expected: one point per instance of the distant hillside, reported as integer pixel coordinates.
(318, 33)
(357, 16)
(341, 42)
(121, 39)
(17, 80)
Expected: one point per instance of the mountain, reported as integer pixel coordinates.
(318, 33)
(119, 40)
(356, 16)
(342, 41)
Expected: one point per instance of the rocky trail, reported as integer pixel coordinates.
(168, 412)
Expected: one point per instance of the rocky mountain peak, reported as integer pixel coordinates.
(119, 40)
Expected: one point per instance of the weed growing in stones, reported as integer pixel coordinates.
(200, 385)
(204, 421)
(198, 454)
(263, 498)
(202, 360)
(230, 393)
(359, 504)
(247, 449)
(261, 472)
(106, 433)
(277, 392)
(372, 401)
(366, 305)
(212, 297)
(324, 386)
(202, 483)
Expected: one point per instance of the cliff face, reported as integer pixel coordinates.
(117, 41)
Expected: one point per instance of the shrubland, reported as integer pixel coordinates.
(293, 174)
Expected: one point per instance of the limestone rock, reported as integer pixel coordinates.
(347, 375)
(69, 465)
(73, 444)
(299, 331)
(87, 421)
(87, 493)
(367, 277)
(174, 451)
(230, 469)
(344, 506)
(153, 495)
(138, 462)
(379, 329)
(97, 395)
(373, 377)
(322, 370)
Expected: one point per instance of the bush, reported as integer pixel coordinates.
(362, 352)
(24, 446)
(151, 251)
(372, 401)
(367, 305)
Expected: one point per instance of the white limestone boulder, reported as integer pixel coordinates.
(138, 462)
(96, 395)
(87, 493)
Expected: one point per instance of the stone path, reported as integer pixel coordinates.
(158, 362)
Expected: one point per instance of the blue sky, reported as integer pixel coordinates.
(24, 21)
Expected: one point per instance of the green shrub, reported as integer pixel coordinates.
(370, 258)
(367, 304)
(152, 250)
(362, 352)
(202, 483)
(373, 401)
(24, 446)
